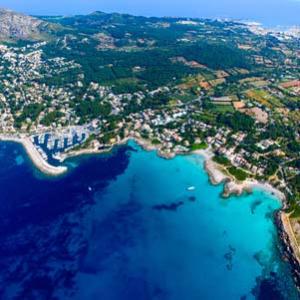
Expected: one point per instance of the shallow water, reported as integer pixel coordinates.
(126, 226)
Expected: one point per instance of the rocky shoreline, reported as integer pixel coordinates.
(287, 250)
(288, 246)
(147, 146)
(216, 176)
(231, 186)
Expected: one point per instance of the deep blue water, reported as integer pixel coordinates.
(125, 226)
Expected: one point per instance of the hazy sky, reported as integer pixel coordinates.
(270, 12)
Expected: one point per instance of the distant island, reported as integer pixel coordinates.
(227, 90)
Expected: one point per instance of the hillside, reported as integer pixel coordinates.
(179, 84)
(16, 26)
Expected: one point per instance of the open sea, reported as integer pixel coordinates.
(130, 225)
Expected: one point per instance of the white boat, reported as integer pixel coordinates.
(191, 188)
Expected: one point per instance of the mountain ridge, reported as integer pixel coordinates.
(14, 26)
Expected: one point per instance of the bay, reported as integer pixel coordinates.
(131, 225)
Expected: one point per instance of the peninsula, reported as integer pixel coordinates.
(36, 157)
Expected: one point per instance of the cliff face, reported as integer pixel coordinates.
(287, 250)
(18, 26)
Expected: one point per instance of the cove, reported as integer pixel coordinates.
(131, 225)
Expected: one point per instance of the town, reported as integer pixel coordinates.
(88, 208)
(237, 95)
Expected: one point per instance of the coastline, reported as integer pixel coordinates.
(214, 170)
(144, 144)
(216, 174)
(232, 186)
(289, 247)
(35, 156)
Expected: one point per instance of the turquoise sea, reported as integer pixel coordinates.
(130, 225)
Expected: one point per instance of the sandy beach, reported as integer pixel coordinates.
(35, 156)
(287, 229)
(231, 186)
(215, 172)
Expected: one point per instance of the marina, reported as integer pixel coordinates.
(51, 144)
(149, 240)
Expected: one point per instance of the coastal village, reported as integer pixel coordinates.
(176, 128)
(243, 119)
